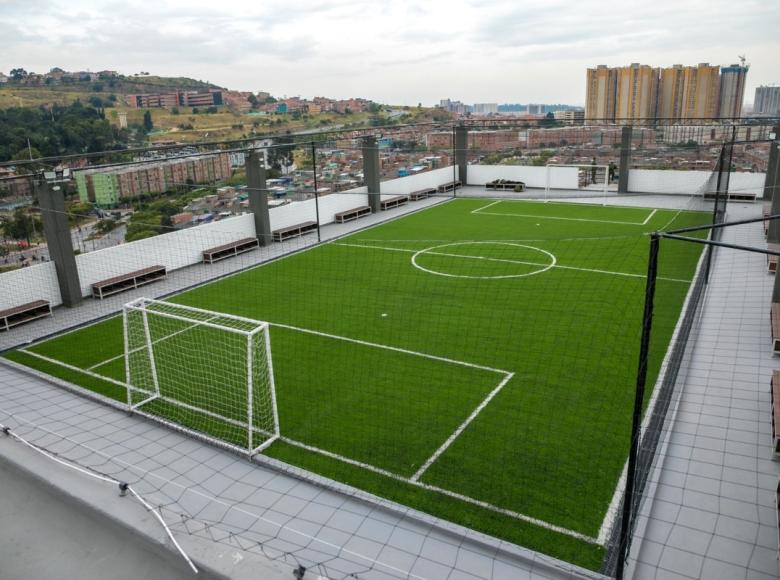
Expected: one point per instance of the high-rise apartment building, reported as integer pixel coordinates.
(702, 87)
(600, 93)
(637, 92)
(732, 90)
(688, 92)
(671, 91)
(767, 101)
(677, 93)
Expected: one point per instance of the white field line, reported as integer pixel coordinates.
(522, 262)
(461, 428)
(568, 219)
(481, 212)
(113, 358)
(74, 368)
(614, 504)
(555, 201)
(392, 348)
(648, 218)
(461, 497)
(486, 206)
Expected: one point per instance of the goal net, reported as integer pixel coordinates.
(587, 177)
(206, 372)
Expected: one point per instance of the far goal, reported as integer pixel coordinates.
(204, 372)
(584, 177)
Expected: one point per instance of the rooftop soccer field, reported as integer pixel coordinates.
(475, 360)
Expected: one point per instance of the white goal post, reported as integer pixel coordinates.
(207, 373)
(589, 177)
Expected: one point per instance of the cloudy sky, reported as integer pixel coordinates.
(393, 51)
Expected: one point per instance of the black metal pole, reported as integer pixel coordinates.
(715, 214)
(454, 163)
(316, 188)
(641, 380)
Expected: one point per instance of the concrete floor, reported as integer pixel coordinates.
(43, 534)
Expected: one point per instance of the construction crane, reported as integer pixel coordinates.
(741, 59)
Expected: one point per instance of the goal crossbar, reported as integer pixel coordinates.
(598, 169)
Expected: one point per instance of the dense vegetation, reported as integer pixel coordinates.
(57, 130)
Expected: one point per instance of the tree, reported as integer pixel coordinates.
(253, 101)
(548, 121)
(374, 107)
(26, 153)
(21, 226)
(212, 109)
(175, 110)
(18, 74)
(148, 125)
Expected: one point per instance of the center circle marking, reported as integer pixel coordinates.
(432, 250)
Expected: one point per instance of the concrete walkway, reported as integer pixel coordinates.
(714, 515)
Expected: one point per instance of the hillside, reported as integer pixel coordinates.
(64, 93)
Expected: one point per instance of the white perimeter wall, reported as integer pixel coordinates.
(184, 247)
(689, 182)
(560, 177)
(38, 282)
(425, 180)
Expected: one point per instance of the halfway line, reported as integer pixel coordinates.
(521, 262)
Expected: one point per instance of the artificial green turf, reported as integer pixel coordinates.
(550, 445)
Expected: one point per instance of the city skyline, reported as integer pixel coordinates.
(399, 53)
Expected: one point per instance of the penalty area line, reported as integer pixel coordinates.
(461, 428)
(443, 491)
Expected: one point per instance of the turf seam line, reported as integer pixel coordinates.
(462, 427)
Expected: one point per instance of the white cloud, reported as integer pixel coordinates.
(403, 51)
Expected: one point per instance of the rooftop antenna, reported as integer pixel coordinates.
(742, 59)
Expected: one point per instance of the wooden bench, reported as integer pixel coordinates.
(127, 281)
(25, 313)
(774, 393)
(505, 184)
(449, 186)
(294, 231)
(352, 214)
(422, 194)
(771, 261)
(392, 202)
(733, 196)
(774, 318)
(229, 250)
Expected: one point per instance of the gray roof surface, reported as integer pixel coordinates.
(713, 515)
